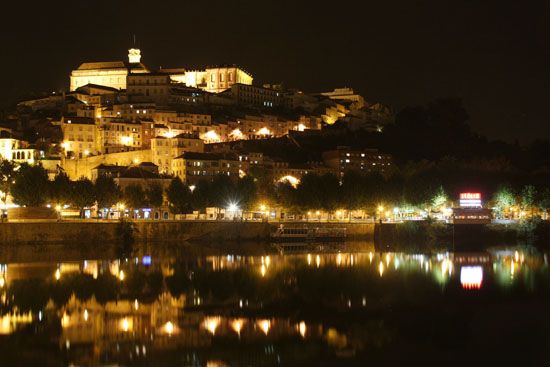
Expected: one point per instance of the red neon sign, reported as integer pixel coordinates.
(470, 196)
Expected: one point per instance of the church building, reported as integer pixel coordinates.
(109, 74)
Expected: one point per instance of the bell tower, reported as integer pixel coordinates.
(134, 56)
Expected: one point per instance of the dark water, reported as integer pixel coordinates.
(253, 305)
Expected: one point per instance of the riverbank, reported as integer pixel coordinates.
(422, 235)
(388, 236)
(82, 232)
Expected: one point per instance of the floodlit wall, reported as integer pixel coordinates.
(82, 167)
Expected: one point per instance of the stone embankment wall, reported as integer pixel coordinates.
(57, 232)
(68, 232)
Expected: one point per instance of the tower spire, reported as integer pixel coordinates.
(134, 54)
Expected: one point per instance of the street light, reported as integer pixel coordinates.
(380, 211)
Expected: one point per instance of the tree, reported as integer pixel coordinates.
(421, 188)
(246, 192)
(83, 194)
(330, 190)
(108, 193)
(263, 180)
(134, 196)
(179, 196)
(352, 191)
(202, 195)
(373, 189)
(528, 197)
(7, 173)
(154, 194)
(309, 195)
(31, 186)
(286, 195)
(60, 189)
(222, 192)
(440, 198)
(503, 200)
(544, 201)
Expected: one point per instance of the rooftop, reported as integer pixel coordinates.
(111, 65)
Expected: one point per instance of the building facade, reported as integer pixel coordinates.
(164, 149)
(192, 167)
(109, 74)
(79, 136)
(345, 159)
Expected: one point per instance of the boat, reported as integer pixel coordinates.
(308, 233)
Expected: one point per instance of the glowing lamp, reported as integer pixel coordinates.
(211, 136)
(126, 140)
(293, 181)
(211, 324)
(236, 134)
(168, 328)
(264, 131)
(237, 325)
(265, 325)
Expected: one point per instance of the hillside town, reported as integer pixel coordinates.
(128, 141)
(141, 125)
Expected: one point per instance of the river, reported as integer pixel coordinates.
(262, 305)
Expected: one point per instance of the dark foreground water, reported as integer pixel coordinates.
(252, 305)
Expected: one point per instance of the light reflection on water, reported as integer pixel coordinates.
(124, 310)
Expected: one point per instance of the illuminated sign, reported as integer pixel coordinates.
(470, 199)
(471, 277)
(470, 196)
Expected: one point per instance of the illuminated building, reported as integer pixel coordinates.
(471, 210)
(83, 167)
(18, 150)
(250, 159)
(345, 159)
(164, 149)
(95, 95)
(79, 136)
(154, 86)
(250, 95)
(293, 172)
(46, 103)
(269, 126)
(118, 135)
(135, 111)
(193, 167)
(212, 79)
(345, 94)
(110, 74)
(169, 116)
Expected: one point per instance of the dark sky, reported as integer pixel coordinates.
(495, 55)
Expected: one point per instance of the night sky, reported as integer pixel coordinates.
(495, 55)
